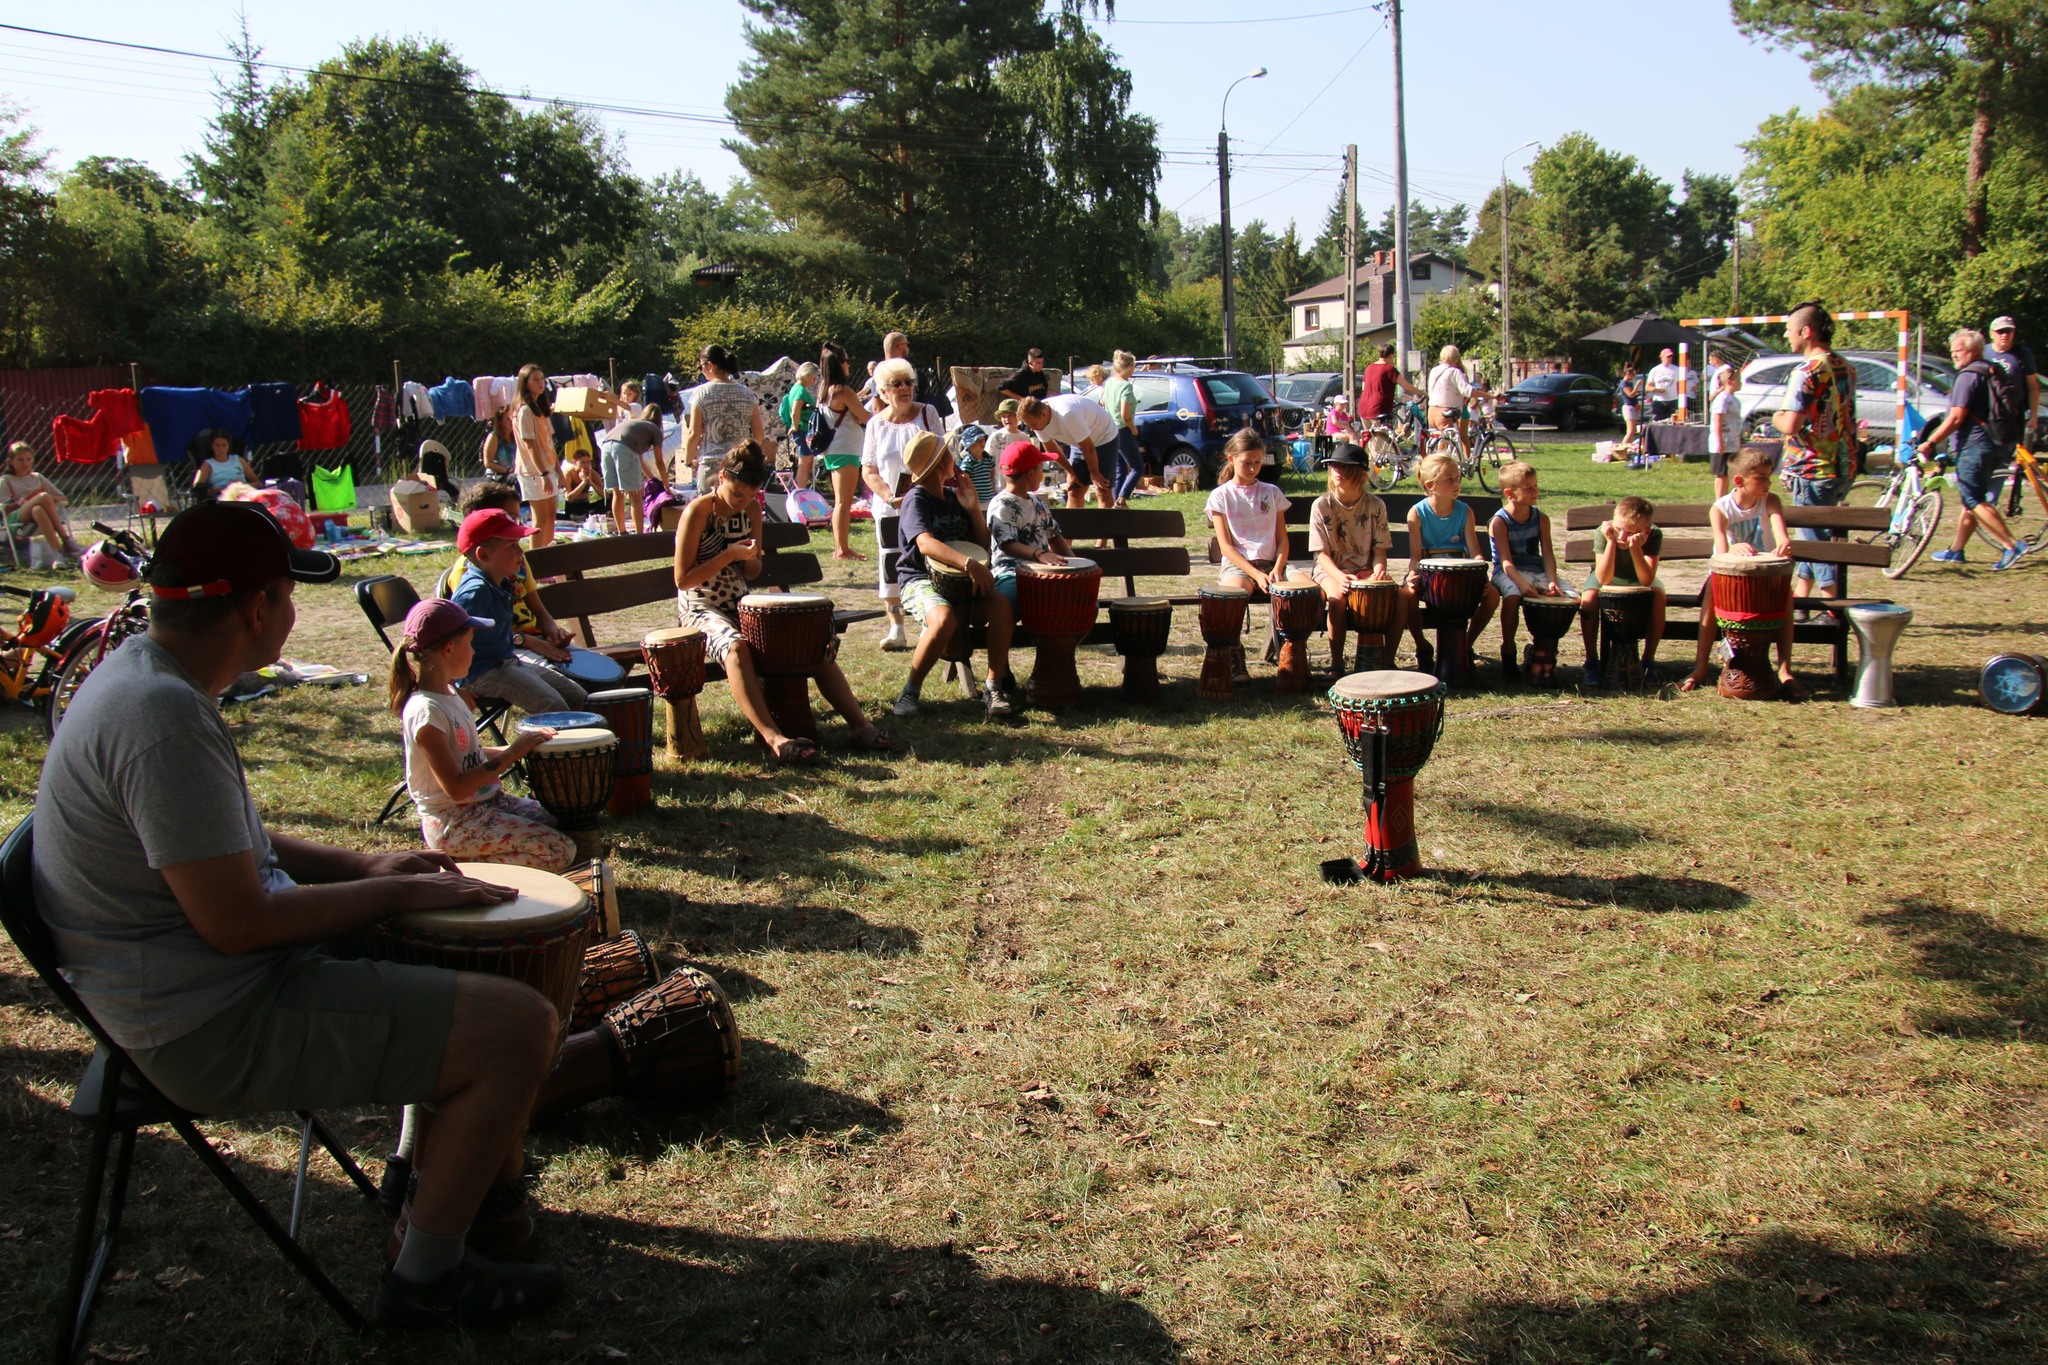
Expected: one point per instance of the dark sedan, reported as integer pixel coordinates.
(1564, 401)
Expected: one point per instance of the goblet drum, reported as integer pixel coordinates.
(1878, 626)
(675, 667)
(572, 776)
(1390, 721)
(1297, 611)
(1624, 620)
(1450, 589)
(1549, 619)
(1140, 627)
(1372, 604)
(628, 712)
(1751, 596)
(1057, 604)
(1222, 621)
(790, 637)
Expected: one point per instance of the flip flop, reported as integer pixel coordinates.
(1689, 683)
(794, 751)
(874, 740)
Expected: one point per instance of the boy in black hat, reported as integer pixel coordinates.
(1348, 535)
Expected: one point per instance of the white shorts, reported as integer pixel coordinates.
(1505, 586)
(541, 487)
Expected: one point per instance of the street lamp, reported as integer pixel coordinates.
(1223, 183)
(1507, 375)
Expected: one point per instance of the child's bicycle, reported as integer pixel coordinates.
(2025, 473)
(1915, 504)
(118, 563)
(31, 653)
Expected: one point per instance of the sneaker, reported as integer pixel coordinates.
(1949, 557)
(478, 1292)
(894, 641)
(905, 704)
(2012, 556)
(1591, 677)
(998, 704)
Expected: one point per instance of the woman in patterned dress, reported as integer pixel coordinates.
(718, 548)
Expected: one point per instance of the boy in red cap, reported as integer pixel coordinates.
(489, 540)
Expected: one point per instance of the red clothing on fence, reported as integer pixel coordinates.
(323, 425)
(79, 441)
(119, 409)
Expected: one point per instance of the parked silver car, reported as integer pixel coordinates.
(1766, 379)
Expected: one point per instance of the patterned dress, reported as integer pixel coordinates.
(713, 607)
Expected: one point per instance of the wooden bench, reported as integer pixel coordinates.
(1688, 535)
(587, 590)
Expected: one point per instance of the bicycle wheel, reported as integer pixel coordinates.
(1922, 522)
(1504, 449)
(85, 654)
(1383, 461)
(1486, 464)
(1869, 492)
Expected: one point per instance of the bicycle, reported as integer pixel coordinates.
(87, 647)
(1387, 458)
(32, 652)
(1915, 504)
(2025, 472)
(1491, 448)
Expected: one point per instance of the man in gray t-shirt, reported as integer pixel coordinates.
(192, 933)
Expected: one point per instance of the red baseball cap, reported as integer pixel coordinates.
(219, 548)
(1022, 455)
(488, 523)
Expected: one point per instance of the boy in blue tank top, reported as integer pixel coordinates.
(1441, 526)
(1524, 561)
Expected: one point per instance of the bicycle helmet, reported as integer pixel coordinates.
(45, 618)
(109, 567)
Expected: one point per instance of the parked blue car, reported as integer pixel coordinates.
(1190, 410)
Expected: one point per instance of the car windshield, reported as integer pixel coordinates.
(1228, 390)
(1301, 388)
(1543, 383)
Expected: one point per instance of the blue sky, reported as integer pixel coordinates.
(1671, 83)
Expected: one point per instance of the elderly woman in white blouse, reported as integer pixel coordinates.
(1450, 393)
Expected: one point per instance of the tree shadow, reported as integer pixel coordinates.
(1640, 891)
(1636, 736)
(771, 1103)
(1952, 1290)
(1938, 685)
(2004, 967)
(714, 927)
(717, 841)
(1559, 826)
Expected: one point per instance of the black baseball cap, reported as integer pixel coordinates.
(1346, 453)
(219, 548)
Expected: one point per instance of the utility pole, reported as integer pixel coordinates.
(1735, 289)
(1223, 188)
(1404, 336)
(1350, 388)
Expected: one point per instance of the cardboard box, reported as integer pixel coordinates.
(415, 506)
(589, 404)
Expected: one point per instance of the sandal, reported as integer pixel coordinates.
(794, 750)
(1691, 683)
(874, 740)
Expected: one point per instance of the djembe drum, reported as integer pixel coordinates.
(1625, 610)
(596, 880)
(674, 1043)
(1549, 619)
(1878, 626)
(1139, 627)
(1222, 621)
(956, 589)
(1297, 611)
(1372, 604)
(1390, 721)
(790, 634)
(559, 720)
(675, 666)
(628, 712)
(1450, 589)
(1057, 604)
(2015, 684)
(1751, 597)
(613, 972)
(592, 670)
(572, 776)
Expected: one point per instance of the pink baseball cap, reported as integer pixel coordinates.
(435, 619)
(488, 523)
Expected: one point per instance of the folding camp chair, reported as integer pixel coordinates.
(386, 599)
(118, 1100)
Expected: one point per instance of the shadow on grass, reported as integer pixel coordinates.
(791, 844)
(1951, 1290)
(772, 1103)
(714, 927)
(1561, 827)
(1654, 895)
(1638, 736)
(1939, 684)
(2006, 968)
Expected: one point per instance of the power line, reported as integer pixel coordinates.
(1326, 84)
(1269, 19)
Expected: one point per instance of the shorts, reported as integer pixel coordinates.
(721, 632)
(1006, 584)
(1717, 462)
(1593, 584)
(621, 468)
(1233, 577)
(920, 598)
(318, 1033)
(1505, 586)
(1978, 465)
(831, 461)
(541, 487)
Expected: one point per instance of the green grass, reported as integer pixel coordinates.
(1713, 1034)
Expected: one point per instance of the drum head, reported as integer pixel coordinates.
(968, 549)
(576, 741)
(785, 601)
(1760, 566)
(669, 636)
(587, 666)
(2012, 684)
(1226, 594)
(1371, 585)
(623, 696)
(561, 720)
(1139, 604)
(1074, 564)
(1453, 563)
(1385, 683)
(1625, 590)
(546, 901)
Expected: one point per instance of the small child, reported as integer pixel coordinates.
(1010, 427)
(936, 511)
(1020, 524)
(1249, 517)
(536, 636)
(976, 458)
(1524, 562)
(1348, 535)
(1441, 525)
(1749, 520)
(452, 776)
(489, 540)
(1625, 550)
(1724, 426)
(33, 501)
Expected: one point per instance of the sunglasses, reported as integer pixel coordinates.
(900, 384)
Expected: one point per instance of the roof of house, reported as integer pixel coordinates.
(1333, 288)
(1334, 336)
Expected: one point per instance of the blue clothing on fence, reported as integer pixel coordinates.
(176, 416)
(274, 413)
(452, 397)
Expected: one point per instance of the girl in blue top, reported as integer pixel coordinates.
(1441, 527)
(221, 468)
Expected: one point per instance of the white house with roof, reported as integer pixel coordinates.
(1316, 314)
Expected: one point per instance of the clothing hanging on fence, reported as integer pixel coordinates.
(119, 409)
(383, 410)
(654, 389)
(139, 447)
(334, 490)
(176, 416)
(323, 419)
(80, 440)
(452, 398)
(414, 402)
(274, 413)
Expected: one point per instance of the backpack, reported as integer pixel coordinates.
(2003, 419)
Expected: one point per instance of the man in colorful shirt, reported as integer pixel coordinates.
(1819, 424)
